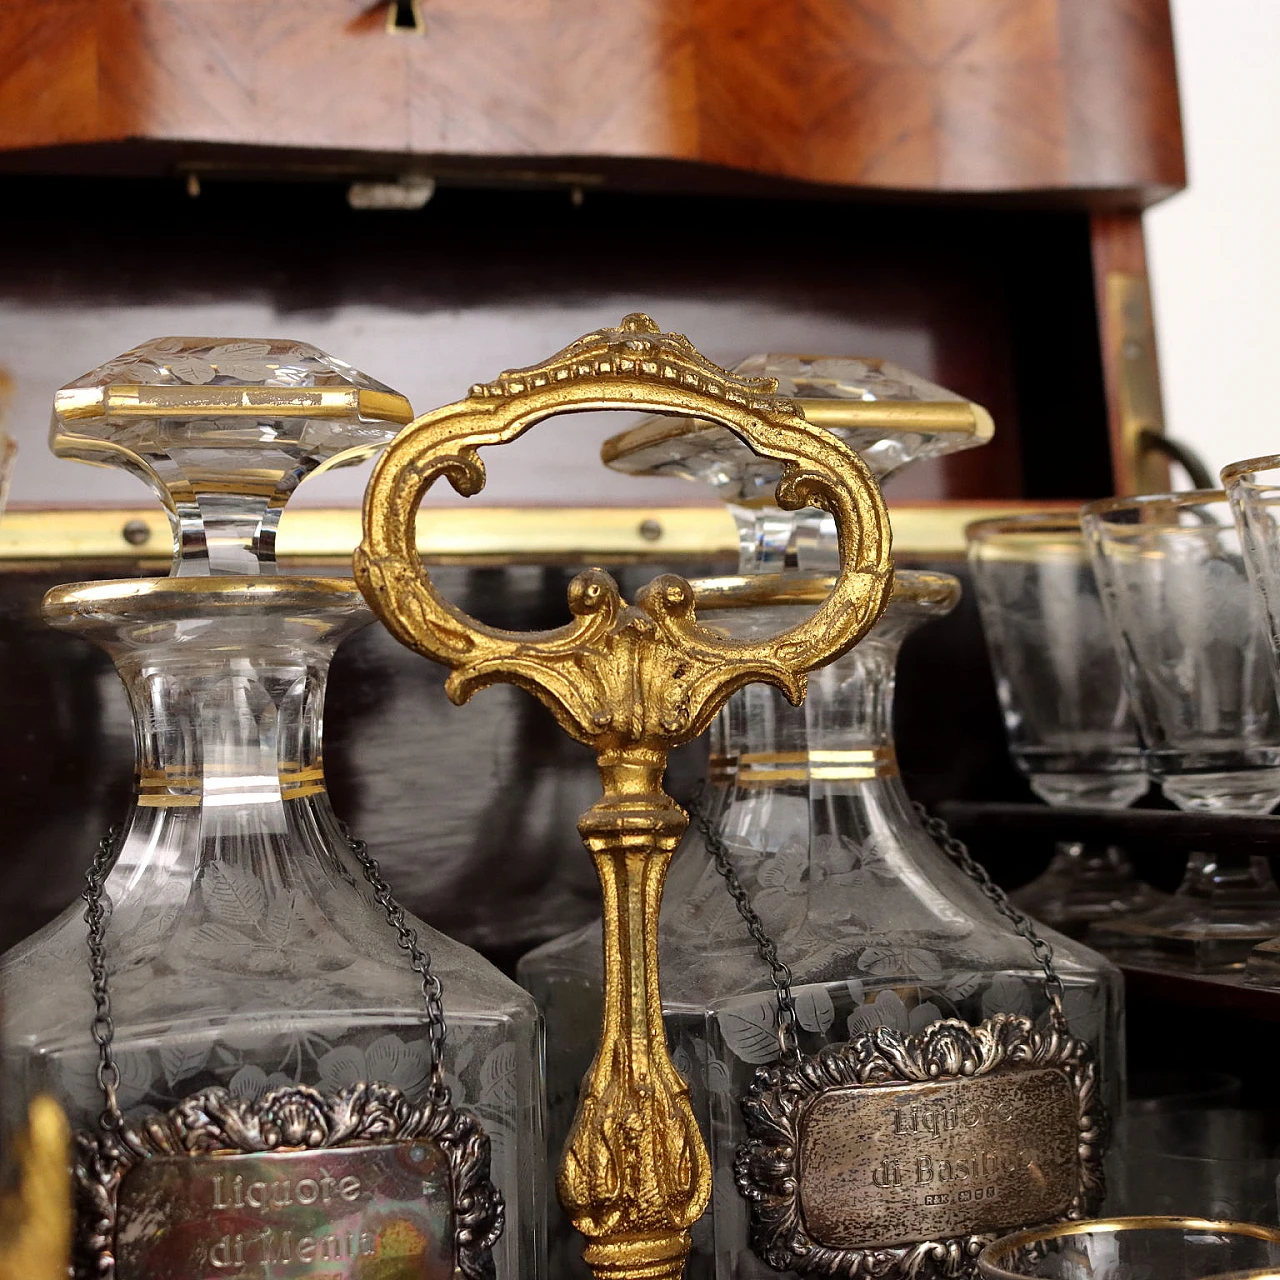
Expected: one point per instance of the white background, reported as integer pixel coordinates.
(1214, 250)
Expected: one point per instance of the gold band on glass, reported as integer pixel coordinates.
(780, 768)
(631, 681)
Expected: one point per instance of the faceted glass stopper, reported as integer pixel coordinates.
(224, 430)
(882, 411)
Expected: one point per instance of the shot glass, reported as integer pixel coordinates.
(1066, 712)
(1253, 489)
(1196, 663)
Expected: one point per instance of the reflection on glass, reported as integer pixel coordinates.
(1065, 709)
(1196, 664)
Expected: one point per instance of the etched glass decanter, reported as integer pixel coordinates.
(882, 932)
(273, 1087)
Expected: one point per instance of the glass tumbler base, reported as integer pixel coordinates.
(1263, 962)
(1080, 889)
(1205, 937)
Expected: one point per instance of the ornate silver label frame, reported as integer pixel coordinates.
(905, 1083)
(361, 1118)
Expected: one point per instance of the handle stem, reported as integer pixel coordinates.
(636, 1174)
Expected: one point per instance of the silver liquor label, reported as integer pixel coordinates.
(352, 1184)
(901, 1155)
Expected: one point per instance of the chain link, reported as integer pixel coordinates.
(418, 958)
(788, 1040)
(955, 849)
(103, 1026)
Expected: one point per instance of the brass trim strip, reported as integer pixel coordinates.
(520, 534)
(1130, 334)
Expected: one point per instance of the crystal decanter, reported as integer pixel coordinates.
(878, 926)
(270, 1009)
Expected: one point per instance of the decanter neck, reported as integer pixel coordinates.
(226, 681)
(801, 782)
(842, 735)
(771, 540)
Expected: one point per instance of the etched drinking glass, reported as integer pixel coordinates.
(1065, 709)
(1253, 489)
(1194, 655)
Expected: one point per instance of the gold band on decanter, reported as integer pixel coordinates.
(631, 681)
(782, 768)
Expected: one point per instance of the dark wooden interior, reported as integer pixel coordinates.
(1001, 301)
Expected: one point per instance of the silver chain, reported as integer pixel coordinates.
(955, 849)
(788, 1041)
(418, 958)
(103, 1026)
(1042, 950)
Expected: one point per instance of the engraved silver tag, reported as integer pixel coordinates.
(901, 1155)
(353, 1184)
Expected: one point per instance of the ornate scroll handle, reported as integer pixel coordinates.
(631, 681)
(580, 670)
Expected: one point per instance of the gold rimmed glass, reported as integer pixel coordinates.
(1195, 661)
(1253, 489)
(1066, 712)
(1148, 1248)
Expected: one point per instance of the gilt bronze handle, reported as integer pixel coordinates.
(630, 681)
